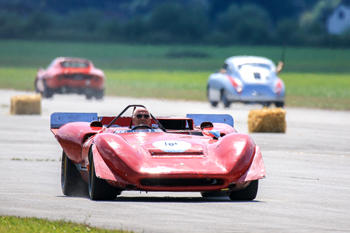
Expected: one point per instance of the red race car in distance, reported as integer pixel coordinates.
(70, 75)
(106, 156)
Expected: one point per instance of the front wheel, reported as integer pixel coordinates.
(36, 86)
(212, 103)
(48, 92)
(247, 194)
(224, 99)
(99, 94)
(99, 189)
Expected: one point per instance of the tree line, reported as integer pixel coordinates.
(214, 22)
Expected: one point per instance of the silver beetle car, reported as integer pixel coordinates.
(247, 79)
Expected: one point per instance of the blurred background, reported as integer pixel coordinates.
(167, 49)
(319, 23)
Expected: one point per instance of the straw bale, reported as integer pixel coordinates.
(267, 120)
(26, 105)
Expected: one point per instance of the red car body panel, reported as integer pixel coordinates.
(65, 76)
(240, 166)
(134, 160)
(189, 154)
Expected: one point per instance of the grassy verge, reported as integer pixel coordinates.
(155, 57)
(328, 91)
(183, 85)
(316, 90)
(12, 224)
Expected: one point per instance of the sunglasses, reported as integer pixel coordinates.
(139, 116)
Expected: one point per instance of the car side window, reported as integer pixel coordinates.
(230, 69)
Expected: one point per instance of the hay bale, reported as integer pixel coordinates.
(26, 105)
(267, 120)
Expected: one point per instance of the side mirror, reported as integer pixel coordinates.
(206, 125)
(96, 124)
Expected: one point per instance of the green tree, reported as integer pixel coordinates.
(11, 25)
(135, 29)
(87, 20)
(174, 22)
(37, 22)
(248, 24)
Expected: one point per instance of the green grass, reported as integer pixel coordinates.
(10, 224)
(153, 57)
(183, 85)
(317, 78)
(17, 78)
(326, 91)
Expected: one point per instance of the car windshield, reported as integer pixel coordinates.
(74, 64)
(262, 65)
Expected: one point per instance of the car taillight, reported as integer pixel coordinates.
(238, 87)
(278, 87)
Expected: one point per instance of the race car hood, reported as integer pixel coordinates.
(151, 154)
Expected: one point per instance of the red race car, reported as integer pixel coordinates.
(105, 155)
(70, 75)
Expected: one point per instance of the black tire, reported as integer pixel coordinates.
(99, 94)
(279, 104)
(266, 104)
(224, 99)
(89, 96)
(247, 194)
(212, 103)
(36, 86)
(71, 182)
(99, 189)
(48, 92)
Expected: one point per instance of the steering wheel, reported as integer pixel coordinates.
(142, 126)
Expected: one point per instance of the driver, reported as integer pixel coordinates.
(141, 117)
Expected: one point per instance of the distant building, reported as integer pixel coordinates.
(339, 21)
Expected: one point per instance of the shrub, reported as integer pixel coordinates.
(177, 23)
(249, 24)
(288, 32)
(11, 25)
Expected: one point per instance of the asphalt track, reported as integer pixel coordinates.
(306, 190)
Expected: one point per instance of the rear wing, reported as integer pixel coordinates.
(60, 118)
(214, 118)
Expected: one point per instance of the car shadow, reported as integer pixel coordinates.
(176, 199)
(166, 199)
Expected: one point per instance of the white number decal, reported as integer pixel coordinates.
(172, 146)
